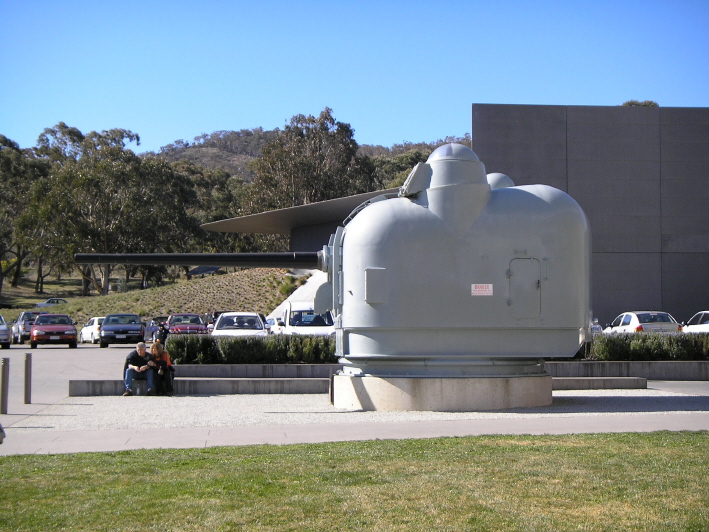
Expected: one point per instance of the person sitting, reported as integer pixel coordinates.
(163, 371)
(318, 321)
(138, 365)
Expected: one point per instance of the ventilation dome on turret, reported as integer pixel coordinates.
(453, 151)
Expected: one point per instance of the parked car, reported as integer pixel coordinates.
(239, 324)
(699, 323)
(647, 321)
(151, 330)
(21, 327)
(5, 334)
(186, 324)
(91, 332)
(121, 328)
(53, 329)
(51, 301)
(300, 318)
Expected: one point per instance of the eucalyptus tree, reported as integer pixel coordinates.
(19, 169)
(312, 159)
(101, 197)
(219, 196)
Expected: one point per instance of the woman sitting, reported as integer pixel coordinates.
(163, 371)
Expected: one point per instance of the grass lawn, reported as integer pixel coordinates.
(654, 481)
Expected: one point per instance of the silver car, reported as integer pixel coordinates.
(5, 334)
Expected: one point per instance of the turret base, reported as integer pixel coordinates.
(440, 394)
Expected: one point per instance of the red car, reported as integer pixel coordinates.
(186, 324)
(53, 329)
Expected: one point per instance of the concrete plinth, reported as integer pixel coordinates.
(440, 394)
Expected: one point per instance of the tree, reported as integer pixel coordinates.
(19, 170)
(312, 159)
(219, 196)
(109, 201)
(636, 103)
(393, 171)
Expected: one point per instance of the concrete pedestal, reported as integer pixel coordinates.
(440, 394)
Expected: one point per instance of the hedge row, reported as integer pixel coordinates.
(284, 349)
(648, 347)
(276, 349)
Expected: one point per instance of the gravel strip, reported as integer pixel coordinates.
(102, 413)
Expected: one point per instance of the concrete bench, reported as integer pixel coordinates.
(206, 386)
(598, 383)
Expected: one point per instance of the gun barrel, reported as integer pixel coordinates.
(300, 259)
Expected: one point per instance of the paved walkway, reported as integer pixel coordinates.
(54, 423)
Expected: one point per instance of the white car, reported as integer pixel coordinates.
(699, 323)
(647, 321)
(239, 324)
(51, 302)
(90, 331)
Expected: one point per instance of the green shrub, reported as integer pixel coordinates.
(209, 352)
(649, 347)
(278, 349)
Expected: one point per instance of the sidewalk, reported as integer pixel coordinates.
(60, 424)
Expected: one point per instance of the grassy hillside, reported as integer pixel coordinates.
(258, 289)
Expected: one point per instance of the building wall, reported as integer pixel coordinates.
(641, 176)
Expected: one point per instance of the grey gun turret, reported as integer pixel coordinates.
(449, 295)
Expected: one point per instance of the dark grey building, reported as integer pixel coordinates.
(641, 174)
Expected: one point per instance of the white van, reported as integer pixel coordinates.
(300, 318)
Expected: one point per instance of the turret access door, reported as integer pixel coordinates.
(525, 288)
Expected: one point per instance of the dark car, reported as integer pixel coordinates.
(121, 329)
(186, 324)
(151, 330)
(53, 329)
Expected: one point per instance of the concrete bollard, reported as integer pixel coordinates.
(4, 384)
(28, 378)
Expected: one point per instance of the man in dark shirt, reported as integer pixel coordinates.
(138, 365)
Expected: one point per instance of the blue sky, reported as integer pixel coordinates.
(394, 70)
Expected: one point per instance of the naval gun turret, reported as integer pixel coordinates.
(449, 295)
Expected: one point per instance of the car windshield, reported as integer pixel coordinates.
(2, 320)
(659, 317)
(308, 318)
(185, 319)
(122, 319)
(239, 322)
(52, 320)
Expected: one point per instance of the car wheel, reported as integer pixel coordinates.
(33, 345)
(6, 346)
(103, 344)
(72, 345)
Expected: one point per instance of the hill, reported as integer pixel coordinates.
(257, 290)
(231, 151)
